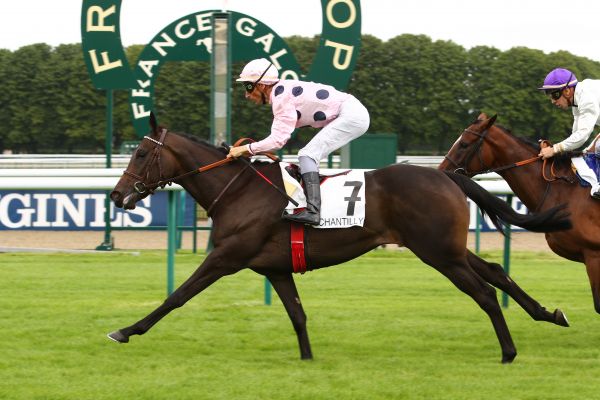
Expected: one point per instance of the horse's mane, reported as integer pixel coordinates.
(561, 159)
(207, 144)
(201, 142)
(526, 141)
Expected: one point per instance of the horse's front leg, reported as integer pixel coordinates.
(592, 266)
(213, 268)
(285, 287)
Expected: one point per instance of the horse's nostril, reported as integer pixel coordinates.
(116, 196)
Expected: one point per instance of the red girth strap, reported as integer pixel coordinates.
(297, 243)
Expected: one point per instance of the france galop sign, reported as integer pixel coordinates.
(189, 39)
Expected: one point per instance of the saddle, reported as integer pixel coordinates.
(294, 171)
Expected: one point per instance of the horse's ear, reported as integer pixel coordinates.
(153, 124)
(487, 121)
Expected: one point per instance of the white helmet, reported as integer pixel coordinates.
(259, 71)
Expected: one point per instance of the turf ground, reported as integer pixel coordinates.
(384, 326)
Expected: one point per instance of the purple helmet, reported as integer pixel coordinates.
(559, 78)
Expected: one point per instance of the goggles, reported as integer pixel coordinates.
(556, 93)
(249, 86)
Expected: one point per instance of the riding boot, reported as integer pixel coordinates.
(311, 215)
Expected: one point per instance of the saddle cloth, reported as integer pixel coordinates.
(342, 197)
(579, 164)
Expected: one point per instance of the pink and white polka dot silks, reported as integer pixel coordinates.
(297, 104)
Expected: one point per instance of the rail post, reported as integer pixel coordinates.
(107, 244)
(506, 256)
(171, 240)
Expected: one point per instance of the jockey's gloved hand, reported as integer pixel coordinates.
(238, 151)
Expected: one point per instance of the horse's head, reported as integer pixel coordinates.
(148, 168)
(467, 155)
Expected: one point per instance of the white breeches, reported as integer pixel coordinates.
(352, 122)
(586, 173)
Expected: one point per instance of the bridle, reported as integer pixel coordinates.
(139, 185)
(143, 188)
(476, 151)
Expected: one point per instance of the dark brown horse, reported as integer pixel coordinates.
(421, 208)
(485, 147)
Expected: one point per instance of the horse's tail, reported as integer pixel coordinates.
(501, 214)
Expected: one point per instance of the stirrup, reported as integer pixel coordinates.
(304, 217)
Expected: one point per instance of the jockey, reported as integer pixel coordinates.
(296, 104)
(583, 97)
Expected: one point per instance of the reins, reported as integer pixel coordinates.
(476, 151)
(509, 166)
(216, 200)
(546, 143)
(142, 188)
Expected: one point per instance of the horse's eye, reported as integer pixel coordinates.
(463, 145)
(140, 153)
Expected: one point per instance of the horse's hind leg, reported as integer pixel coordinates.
(204, 276)
(464, 278)
(455, 267)
(286, 289)
(495, 275)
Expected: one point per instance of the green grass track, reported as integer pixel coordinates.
(384, 326)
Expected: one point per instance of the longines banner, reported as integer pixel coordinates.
(76, 210)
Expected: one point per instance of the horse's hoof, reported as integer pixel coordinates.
(509, 357)
(560, 318)
(118, 337)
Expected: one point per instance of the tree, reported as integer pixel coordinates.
(80, 108)
(29, 101)
(370, 83)
(182, 97)
(425, 91)
(5, 112)
(444, 94)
